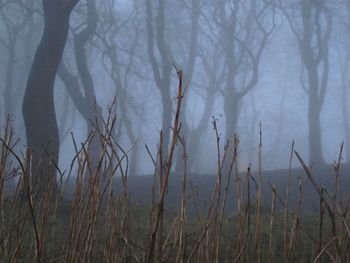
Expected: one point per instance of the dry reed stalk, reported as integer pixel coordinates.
(327, 205)
(258, 200)
(25, 168)
(342, 211)
(239, 197)
(217, 195)
(223, 206)
(3, 178)
(337, 165)
(285, 229)
(323, 250)
(87, 200)
(159, 234)
(199, 241)
(272, 221)
(175, 134)
(297, 222)
(321, 217)
(344, 233)
(247, 211)
(182, 232)
(78, 197)
(209, 245)
(31, 226)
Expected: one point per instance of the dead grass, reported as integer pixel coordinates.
(99, 225)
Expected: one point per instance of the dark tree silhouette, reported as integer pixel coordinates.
(13, 26)
(16, 22)
(246, 28)
(81, 39)
(162, 67)
(38, 103)
(313, 31)
(119, 68)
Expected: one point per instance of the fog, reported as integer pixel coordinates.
(276, 67)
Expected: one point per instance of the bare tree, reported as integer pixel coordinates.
(312, 27)
(246, 27)
(119, 68)
(161, 68)
(81, 87)
(193, 134)
(13, 26)
(16, 21)
(81, 39)
(196, 133)
(344, 61)
(38, 103)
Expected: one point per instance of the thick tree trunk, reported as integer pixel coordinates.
(133, 160)
(167, 114)
(231, 108)
(189, 70)
(196, 135)
(38, 103)
(315, 60)
(232, 111)
(71, 83)
(314, 111)
(315, 146)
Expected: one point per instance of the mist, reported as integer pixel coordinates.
(275, 68)
(174, 131)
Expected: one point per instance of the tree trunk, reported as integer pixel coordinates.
(232, 111)
(71, 83)
(167, 114)
(315, 59)
(95, 111)
(231, 108)
(196, 135)
(314, 110)
(38, 103)
(161, 70)
(315, 148)
(133, 161)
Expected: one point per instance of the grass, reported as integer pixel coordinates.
(101, 224)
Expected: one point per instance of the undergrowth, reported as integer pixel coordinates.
(100, 224)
